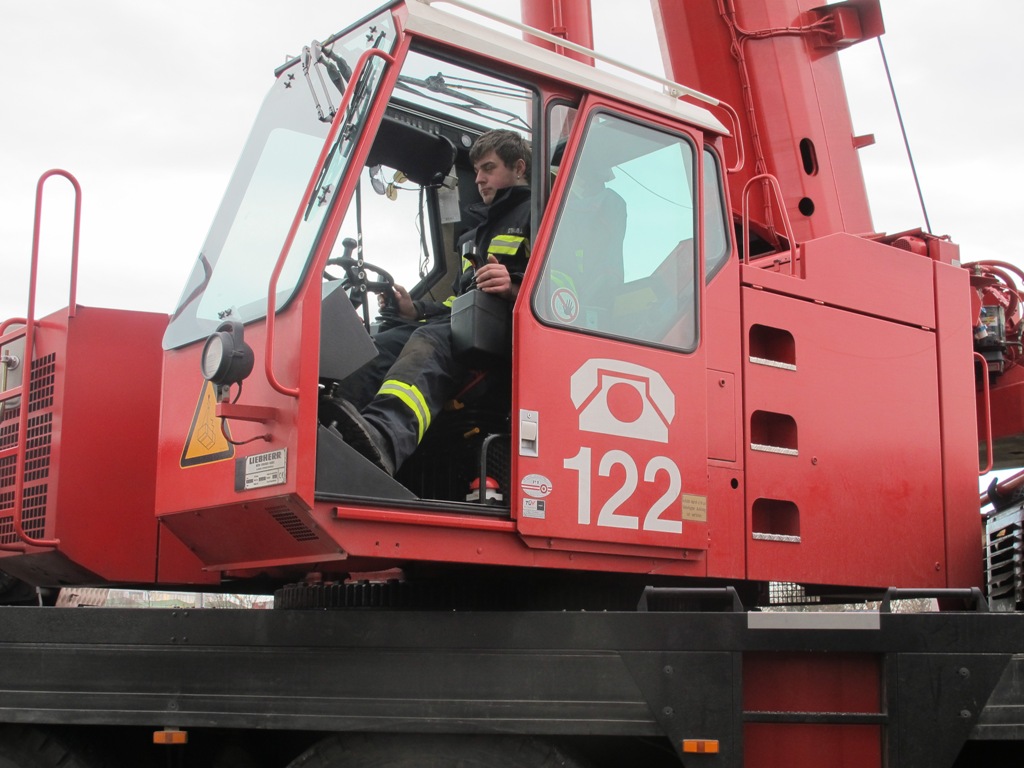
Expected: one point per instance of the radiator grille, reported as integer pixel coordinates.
(37, 450)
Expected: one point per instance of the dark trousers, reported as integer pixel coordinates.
(406, 385)
(361, 386)
(415, 388)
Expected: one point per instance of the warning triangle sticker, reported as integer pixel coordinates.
(207, 440)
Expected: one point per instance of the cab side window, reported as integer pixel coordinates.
(716, 230)
(622, 258)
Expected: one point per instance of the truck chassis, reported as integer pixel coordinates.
(747, 687)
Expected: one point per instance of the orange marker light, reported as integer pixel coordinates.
(170, 736)
(701, 746)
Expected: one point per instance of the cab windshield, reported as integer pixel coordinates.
(232, 272)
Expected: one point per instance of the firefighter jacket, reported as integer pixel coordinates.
(503, 231)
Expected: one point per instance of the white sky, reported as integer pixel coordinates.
(149, 103)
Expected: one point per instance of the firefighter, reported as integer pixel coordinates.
(426, 374)
(586, 256)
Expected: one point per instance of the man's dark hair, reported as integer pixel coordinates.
(509, 146)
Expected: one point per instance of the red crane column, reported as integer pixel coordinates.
(776, 62)
(568, 19)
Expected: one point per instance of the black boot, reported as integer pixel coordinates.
(362, 435)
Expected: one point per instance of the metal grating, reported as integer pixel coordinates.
(44, 379)
(38, 444)
(37, 450)
(1004, 560)
(787, 593)
(9, 425)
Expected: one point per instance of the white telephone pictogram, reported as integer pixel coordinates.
(614, 397)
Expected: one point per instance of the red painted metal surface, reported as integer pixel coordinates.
(767, 182)
(824, 509)
(569, 20)
(856, 450)
(960, 432)
(196, 487)
(92, 467)
(826, 686)
(772, 58)
(791, 745)
(389, 538)
(821, 509)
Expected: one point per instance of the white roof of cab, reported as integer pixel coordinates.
(432, 23)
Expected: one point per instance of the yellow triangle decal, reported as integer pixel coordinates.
(207, 440)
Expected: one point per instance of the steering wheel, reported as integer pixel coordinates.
(356, 280)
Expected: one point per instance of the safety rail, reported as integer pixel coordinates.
(668, 87)
(24, 388)
(268, 362)
(737, 137)
(770, 181)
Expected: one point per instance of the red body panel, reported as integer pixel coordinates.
(861, 474)
(959, 427)
(832, 685)
(259, 526)
(867, 435)
(96, 476)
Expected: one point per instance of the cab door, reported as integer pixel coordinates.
(610, 395)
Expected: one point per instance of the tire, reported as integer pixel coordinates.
(22, 747)
(434, 751)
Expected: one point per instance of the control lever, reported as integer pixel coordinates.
(469, 253)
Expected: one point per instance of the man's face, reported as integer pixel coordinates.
(493, 175)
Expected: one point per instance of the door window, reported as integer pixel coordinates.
(622, 259)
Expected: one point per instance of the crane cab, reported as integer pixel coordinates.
(364, 139)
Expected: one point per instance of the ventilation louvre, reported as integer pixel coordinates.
(292, 524)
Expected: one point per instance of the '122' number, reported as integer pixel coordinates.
(610, 516)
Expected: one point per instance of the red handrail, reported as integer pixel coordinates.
(24, 389)
(268, 362)
(737, 135)
(771, 181)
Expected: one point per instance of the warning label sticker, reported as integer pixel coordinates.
(261, 470)
(207, 439)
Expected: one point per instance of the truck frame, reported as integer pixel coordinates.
(716, 687)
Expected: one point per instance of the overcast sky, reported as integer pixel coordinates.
(149, 103)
